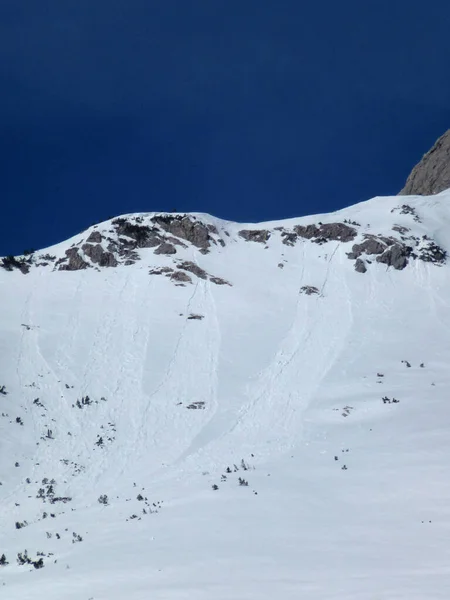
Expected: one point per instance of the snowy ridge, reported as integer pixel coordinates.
(194, 408)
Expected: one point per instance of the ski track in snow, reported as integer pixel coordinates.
(283, 391)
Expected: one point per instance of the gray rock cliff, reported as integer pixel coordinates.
(432, 174)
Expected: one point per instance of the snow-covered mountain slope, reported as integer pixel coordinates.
(193, 408)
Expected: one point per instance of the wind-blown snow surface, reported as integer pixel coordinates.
(292, 385)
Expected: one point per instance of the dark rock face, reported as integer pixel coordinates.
(431, 175)
(320, 233)
(187, 265)
(389, 251)
(135, 235)
(395, 252)
(142, 235)
(400, 229)
(72, 262)
(180, 277)
(166, 248)
(395, 256)
(219, 281)
(431, 252)
(371, 245)
(196, 405)
(132, 258)
(255, 235)
(406, 209)
(9, 263)
(161, 271)
(309, 290)
(187, 228)
(94, 238)
(360, 266)
(327, 232)
(289, 238)
(99, 256)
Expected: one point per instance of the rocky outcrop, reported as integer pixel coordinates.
(132, 234)
(371, 245)
(360, 266)
(121, 241)
(126, 240)
(180, 277)
(406, 209)
(400, 229)
(187, 265)
(188, 228)
(320, 233)
(166, 248)
(161, 271)
(395, 252)
(289, 238)
(309, 290)
(429, 251)
(95, 238)
(260, 236)
(327, 232)
(72, 261)
(431, 175)
(99, 256)
(389, 251)
(10, 263)
(75, 261)
(219, 281)
(396, 256)
(140, 236)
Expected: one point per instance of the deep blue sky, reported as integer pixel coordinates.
(246, 109)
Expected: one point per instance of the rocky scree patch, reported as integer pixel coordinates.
(391, 251)
(180, 274)
(260, 236)
(319, 234)
(133, 234)
(322, 233)
(119, 245)
(190, 229)
(166, 233)
(394, 252)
